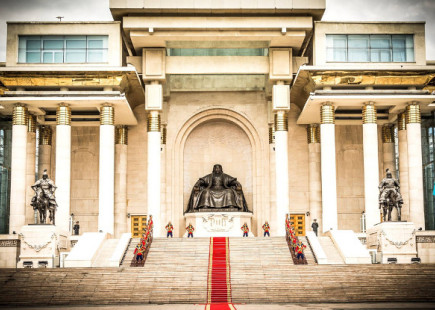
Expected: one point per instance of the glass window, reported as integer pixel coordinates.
(62, 49)
(370, 48)
(217, 51)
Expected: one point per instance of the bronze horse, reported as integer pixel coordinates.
(42, 204)
(390, 202)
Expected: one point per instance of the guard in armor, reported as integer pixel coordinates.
(266, 228)
(245, 230)
(190, 230)
(169, 229)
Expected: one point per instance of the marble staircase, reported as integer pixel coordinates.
(103, 256)
(333, 255)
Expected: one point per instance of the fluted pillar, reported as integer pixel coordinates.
(18, 169)
(45, 142)
(106, 199)
(416, 198)
(371, 165)
(121, 142)
(281, 164)
(315, 175)
(153, 176)
(63, 166)
(389, 158)
(30, 167)
(403, 164)
(270, 213)
(328, 168)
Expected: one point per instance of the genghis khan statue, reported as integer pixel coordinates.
(217, 192)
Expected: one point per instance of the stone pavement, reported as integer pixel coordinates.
(332, 306)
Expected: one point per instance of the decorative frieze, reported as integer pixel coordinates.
(401, 121)
(31, 123)
(281, 121)
(153, 121)
(121, 135)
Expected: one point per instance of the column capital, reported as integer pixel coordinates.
(45, 135)
(281, 121)
(154, 122)
(388, 133)
(63, 115)
(107, 115)
(31, 123)
(313, 133)
(121, 135)
(327, 113)
(413, 113)
(369, 113)
(401, 121)
(20, 115)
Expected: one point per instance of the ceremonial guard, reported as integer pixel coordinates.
(76, 228)
(169, 229)
(266, 229)
(300, 250)
(190, 230)
(139, 252)
(245, 230)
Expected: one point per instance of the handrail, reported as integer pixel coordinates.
(143, 246)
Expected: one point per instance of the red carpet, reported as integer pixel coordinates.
(219, 276)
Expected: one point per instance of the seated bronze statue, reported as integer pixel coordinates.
(217, 192)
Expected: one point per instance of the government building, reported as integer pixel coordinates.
(130, 117)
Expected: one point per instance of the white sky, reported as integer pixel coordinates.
(338, 10)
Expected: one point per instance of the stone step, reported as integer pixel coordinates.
(330, 250)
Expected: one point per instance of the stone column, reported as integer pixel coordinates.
(121, 142)
(281, 176)
(371, 165)
(45, 142)
(403, 164)
(388, 149)
(165, 214)
(416, 198)
(153, 177)
(315, 175)
(30, 167)
(63, 166)
(106, 188)
(328, 168)
(270, 213)
(18, 169)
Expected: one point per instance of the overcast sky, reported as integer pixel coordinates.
(339, 10)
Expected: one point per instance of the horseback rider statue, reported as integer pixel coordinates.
(44, 199)
(389, 196)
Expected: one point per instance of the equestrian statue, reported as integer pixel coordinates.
(390, 197)
(44, 199)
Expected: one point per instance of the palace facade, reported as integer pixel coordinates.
(127, 115)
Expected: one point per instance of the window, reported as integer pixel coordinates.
(369, 48)
(217, 52)
(62, 49)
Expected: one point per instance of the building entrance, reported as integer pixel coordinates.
(138, 225)
(298, 222)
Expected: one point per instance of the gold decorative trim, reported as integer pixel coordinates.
(45, 135)
(107, 115)
(153, 121)
(369, 114)
(164, 135)
(281, 121)
(31, 123)
(401, 121)
(388, 134)
(63, 115)
(327, 114)
(271, 134)
(121, 135)
(20, 115)
(313, 133)
(413, 114)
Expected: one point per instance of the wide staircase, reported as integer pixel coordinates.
(176, 272)
(330, 250)
(105, 253)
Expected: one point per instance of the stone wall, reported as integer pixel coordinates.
(9, 251)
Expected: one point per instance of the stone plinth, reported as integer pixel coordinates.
(218, 224)
(393, 239)
(41, 244)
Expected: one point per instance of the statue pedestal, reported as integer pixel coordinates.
(393, 240)
(218, 224)
(40, 245)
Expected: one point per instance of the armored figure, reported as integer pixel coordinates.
(389, 196)
(44, 199)
(217, 191)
